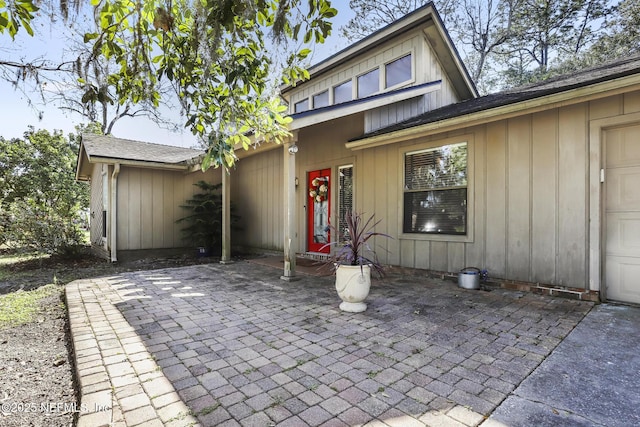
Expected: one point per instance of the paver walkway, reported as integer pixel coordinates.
(230, 345)
(591, 378)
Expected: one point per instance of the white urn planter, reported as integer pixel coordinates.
(353, 283)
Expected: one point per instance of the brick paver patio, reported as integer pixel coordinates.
(233, 345)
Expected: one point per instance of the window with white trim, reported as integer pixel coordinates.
(301, 106)
(369, 83)
(342, 92)
(345, 198)
(435, 190)
(321, 99)
(398, 71)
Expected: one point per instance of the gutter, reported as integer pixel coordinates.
(114, 212)
(140, 163)
(530, 106)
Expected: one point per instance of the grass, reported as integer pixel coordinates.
(208, 410)
(20, 307)
(9, 258)
(12, 256)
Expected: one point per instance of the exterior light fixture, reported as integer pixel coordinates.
(293, 149)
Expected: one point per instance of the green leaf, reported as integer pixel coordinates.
(90, 36)
(330, 13)
(27, 27)
(13, 28)
(28, 5)
(206, 162)
(304, 53)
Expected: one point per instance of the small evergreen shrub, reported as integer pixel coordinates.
(204, 219)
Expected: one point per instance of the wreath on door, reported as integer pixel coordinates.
(319, 190)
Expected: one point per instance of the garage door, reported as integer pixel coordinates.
(622, 214)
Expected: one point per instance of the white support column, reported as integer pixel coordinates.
(226, 217)
(290, 237)
(113, 227)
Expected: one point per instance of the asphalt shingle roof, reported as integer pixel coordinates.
(125, 149)
(586, 77)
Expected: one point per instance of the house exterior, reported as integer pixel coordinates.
(137, 189)
(535, 185)
(538, 185)
(407, 68)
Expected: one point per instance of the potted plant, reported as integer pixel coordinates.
(354, 260)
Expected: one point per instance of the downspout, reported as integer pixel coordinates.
(114, 216)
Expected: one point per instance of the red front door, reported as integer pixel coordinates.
(318, 190)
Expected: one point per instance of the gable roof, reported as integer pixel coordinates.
(425, 17)
(111, 150)
(492, 106)
(106, 146)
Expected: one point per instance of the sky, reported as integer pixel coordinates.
(17, 114)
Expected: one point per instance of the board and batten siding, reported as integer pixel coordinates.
(529, 217)
(322, 147)
(257, 189)
(387, 115)
(426, 69)
(515, 209)
(149, 204)
(95, 224)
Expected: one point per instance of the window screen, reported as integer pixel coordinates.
(435, 190)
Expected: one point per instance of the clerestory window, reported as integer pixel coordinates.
(398, 71)
(342, 92)
(301, 106)
(369, 83)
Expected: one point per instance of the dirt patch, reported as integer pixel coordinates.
(36, 379)
(33, 272)
(37, 375)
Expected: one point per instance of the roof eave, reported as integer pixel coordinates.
(313, 117)
(413, 20)
(429, 20)
(449, 57)
(81, 151)
(555, 100)
(181, 166)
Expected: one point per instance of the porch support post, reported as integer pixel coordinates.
(290, 238)
(113, 227)
(226, 217)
